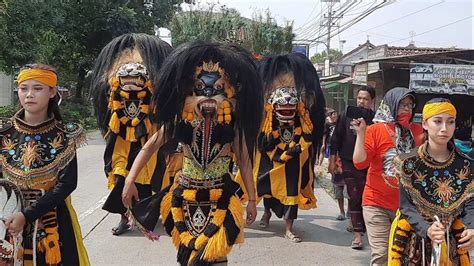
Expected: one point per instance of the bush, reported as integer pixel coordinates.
(78, 113)
(7, 111)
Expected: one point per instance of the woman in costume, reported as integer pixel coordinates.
(436, 189)
(38, 156)
(205, 101)
(123, 80)
(290, 134)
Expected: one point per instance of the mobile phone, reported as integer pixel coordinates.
(356, 112)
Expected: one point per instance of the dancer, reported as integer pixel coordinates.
(124, 76)
(436, 189)
(206, 100)
(290, 134)
(38, 158)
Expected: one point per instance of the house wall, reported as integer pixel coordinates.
(6, 89)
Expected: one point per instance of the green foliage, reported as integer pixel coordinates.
(320, 57)
(76, 112)
(70, 34)
(7, 111)
(261, 35)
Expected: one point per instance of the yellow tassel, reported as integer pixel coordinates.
(190, 117)
(177, 214)
(135, 121)
(230, 91)
(145, 108)
(184, 115)
(227, 110)
(237, 211)
(215, 194)
(116, 105)
(189, 194)
(148, 85)
(201, 240)
(220, 119)
(165, 207)
(217, 246)
(141, 94)
(186, 237)
(114, 123)
(444, 260)
(226, 104)
(227, 119)
(219, 216)
(175, 237)
(50, 246)
(275, 134)
(124, 94)
(404, 224)
(114, 83)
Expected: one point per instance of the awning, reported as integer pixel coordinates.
(346, 80)
(330, 85)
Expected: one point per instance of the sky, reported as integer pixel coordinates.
(429, 23)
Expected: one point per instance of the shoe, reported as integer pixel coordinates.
(350, 229)
(265, 220)
(341, 217)
(357, 245)
(120, 229)
(293, 237)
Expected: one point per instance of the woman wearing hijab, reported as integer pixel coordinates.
(375, 148)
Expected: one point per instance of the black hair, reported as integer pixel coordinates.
(369, 89)
(153, 52)
(177, 78)
(53, 104)
(306, 82)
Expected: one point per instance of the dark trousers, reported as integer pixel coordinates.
(355, 182)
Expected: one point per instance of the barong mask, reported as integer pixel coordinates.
(212, 95)
(129, 101)
(284, 102)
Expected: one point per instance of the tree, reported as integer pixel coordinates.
(218, 23)
(70, 34)
(320, 57)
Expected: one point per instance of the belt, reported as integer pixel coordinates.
(188, 182)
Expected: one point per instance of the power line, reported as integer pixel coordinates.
(402, 17)
(437, 28)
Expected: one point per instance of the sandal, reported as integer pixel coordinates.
(350, 229)
(120, 229)
(341, 217)
(356, 245)
(293, 237)
(265, 220)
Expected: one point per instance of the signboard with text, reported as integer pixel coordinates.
(442, 78)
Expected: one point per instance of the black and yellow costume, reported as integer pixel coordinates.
(123, 80)
(290, 135)
(206, 88)
(429, 188)
(42, 159)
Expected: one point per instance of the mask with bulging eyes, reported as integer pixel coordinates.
(284, 101)
(132, 76)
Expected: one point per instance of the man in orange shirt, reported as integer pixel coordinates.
(375, 147)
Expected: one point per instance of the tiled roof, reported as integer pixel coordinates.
(413, 50)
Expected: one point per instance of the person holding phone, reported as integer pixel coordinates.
(376, 146)
(342, 146)
(436, 203)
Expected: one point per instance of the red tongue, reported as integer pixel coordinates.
(207, 134)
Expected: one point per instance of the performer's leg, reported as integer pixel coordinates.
(378, 222)
(290, 214)
(265, 220)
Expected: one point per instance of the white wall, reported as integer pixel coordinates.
(6, 89)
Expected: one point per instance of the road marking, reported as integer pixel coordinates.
(92, 209)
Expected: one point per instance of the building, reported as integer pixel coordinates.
(6, 89)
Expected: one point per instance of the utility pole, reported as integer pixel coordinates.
(329, 23)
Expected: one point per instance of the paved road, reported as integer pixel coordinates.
(325, 241)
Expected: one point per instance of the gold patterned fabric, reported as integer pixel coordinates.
(437, 188)
(32, 156)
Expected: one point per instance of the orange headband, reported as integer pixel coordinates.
(44, 76)
(432, 109)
